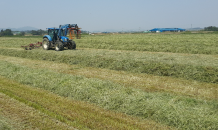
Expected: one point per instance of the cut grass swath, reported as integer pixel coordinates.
(144, 82)
(23, 116)
(175, 43)
(78, 114)
(177, 111)
(4, 123)
(122, 61)
(184, 43)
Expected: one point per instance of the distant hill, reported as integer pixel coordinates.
(21, 29)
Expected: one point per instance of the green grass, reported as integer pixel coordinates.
(145, 82)
(4, 125)
(178, 111)
(175, 43)
(17, 42)
(196, 67)
(61, 113)
(20, 114)
(188, 56)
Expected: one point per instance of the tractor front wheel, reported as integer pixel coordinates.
(45, 44)
(59, 46)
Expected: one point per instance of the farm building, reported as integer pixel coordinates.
(167, 30)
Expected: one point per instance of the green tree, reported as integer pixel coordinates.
(211, 28)
(35, 32)
(2, 33)
(38, 32)
(8, 32)
(22, 33)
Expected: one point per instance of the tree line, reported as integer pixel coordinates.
(38, 32)
(211, 28)
(8, 32)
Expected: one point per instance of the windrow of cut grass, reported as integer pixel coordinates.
(19, 116)
(4, 123)
(178, 111)
(194, 68)
(145, 82)
(176, 43)
(44, 110)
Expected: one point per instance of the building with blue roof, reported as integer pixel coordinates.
(167, 30)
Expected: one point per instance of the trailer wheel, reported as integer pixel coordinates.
(72, 45)
(45, 44)
(59, 46)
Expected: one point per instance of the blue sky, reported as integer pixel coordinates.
(101, 15)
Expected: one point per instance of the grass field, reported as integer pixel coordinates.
(128, 81)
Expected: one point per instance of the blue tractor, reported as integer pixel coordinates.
(57, 37)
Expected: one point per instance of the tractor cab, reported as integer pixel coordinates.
(53, 33)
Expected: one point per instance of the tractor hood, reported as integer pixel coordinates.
(64, 39)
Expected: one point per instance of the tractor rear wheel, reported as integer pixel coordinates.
(45, 44)
(72, 45)
(59, 46)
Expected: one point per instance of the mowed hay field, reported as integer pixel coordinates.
(124, 81)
